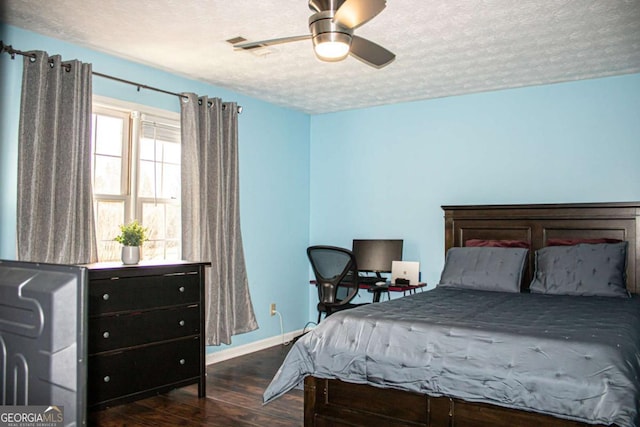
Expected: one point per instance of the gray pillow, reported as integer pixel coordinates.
(484, 268)
(583, 269)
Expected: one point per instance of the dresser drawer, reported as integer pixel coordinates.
(139, 293)
(112, 332)
(129, 372)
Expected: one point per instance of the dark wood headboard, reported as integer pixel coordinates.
(539, 223)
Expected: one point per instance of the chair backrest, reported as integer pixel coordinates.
(331, 265)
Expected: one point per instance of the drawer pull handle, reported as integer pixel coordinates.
(182, 361)
(105, 297)
(106, 334)
(107, 379)
(181, 323)
(181, 288)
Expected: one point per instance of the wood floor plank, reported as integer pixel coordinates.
(234, 399)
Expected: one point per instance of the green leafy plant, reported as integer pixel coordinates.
(132, 234)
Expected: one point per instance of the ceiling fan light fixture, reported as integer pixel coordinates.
(332, 46)
(331, 29)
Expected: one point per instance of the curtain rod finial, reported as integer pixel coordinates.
(7, 48)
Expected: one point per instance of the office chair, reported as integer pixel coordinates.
(331, 265)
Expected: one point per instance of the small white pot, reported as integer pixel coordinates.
(130, 255)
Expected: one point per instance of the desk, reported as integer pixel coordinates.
(378, 290)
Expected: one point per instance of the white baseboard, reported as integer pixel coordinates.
(241, 350)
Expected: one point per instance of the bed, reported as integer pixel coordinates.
(345, 385)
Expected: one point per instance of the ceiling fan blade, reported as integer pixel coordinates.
(264, 43)
(370, 53)
(354, 13)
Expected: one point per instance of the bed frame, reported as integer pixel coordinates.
(337, 403)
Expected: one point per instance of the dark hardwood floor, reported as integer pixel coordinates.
(234, 398)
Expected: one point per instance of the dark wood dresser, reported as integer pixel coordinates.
(145, 331)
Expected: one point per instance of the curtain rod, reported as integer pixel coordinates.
(13, 52)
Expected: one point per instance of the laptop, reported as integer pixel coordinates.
(405, 270)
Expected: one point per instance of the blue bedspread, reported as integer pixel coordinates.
(572, 357)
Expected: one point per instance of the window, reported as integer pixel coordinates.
(136, 175)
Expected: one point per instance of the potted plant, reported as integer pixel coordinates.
(131, 237)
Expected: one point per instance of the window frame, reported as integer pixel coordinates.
(134, 115)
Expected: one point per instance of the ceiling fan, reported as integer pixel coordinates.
(331, 28)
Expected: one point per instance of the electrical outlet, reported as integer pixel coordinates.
(272, 309)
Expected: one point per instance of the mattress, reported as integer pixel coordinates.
(571, 357)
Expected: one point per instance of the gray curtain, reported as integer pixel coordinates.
(55, 207)
(211, 215)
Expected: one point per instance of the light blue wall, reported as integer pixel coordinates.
(384, 172)
(274, 173)
(10, 76)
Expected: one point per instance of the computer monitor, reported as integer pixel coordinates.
(43, 338)
(376, 255)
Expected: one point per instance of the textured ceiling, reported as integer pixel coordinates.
(443, 47)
